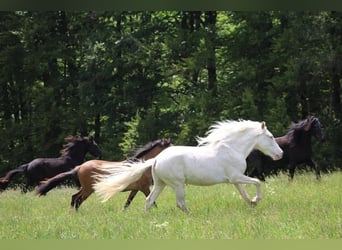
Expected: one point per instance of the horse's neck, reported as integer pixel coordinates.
(306, 139)
(151, 153)
(295, 138)
(75, 156)
(242, 144)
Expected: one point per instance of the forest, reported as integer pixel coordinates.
(127, 78)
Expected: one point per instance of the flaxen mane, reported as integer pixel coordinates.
(225, 129)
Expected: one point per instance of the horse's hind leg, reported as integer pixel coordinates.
(146, 191)
(158, 187)
(130, 198)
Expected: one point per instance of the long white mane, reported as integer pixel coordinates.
(227, 130)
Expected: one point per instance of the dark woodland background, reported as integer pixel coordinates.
(128, 78)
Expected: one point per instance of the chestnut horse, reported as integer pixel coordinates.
(72, 155)
(87, 172)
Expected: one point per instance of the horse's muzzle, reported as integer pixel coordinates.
(278, 156)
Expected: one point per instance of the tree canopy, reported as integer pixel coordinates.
(130, 77)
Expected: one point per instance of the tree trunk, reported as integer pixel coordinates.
(210, 24)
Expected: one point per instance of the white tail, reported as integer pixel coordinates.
(119, 177)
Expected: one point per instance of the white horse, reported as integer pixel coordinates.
(220, 157)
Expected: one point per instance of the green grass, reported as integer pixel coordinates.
(302, 209)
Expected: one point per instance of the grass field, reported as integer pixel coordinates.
(302, 209)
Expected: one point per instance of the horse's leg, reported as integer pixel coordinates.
(180, 197)
(3, 184)
(292, 169)
(258, 173)
(243, 192)
(146, 191)
(242, 179)
(130, 198)
(82, 197)
(79, 201)
(78, 198)
(261, 173)
(314, 166)
(26, 186)
(158, 187)
(74, 197)
(259, 169)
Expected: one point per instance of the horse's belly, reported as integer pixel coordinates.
(204, 180)
(201, 166)
(190, 169)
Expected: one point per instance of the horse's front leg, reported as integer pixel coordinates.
(314, 166)
(25, 187)
(239, 180)
(243, 192)
(292, 169)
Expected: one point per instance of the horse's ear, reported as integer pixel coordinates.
(263, 125)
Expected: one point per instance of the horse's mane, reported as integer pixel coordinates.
(296, 131)
(70, 143)
(149, 146)
(225, 130)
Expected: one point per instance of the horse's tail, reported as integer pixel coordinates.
(4, 181)
(53, 182)
(120, 177)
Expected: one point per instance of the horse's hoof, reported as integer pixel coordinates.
(254, 201)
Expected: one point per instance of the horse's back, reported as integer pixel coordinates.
(191, 165)
(88, 169)
(47, 163)
(181, 155)
(42, 168)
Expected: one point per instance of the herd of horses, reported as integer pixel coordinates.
(237, 152)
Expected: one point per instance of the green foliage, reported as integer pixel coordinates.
(94, 72)
(131, 135)
(276, 116)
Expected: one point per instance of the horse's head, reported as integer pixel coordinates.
(315, 128)
(78, 146)
(267, 144)
(92, 146)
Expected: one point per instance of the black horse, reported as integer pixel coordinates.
(296, 145)
(72, 155)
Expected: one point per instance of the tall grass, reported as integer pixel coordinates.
(302, 209)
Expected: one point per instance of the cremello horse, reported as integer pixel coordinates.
(220, 157)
